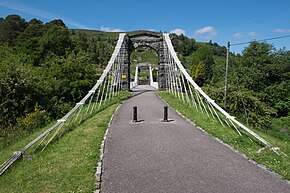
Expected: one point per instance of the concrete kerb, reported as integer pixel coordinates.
(98, 174)
(230, 147)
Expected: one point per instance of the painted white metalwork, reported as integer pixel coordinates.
(152, 83)
(104, 86)
(109, 85)
(211, 102)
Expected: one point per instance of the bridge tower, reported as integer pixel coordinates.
(130, 43)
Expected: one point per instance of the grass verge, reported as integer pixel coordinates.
(268, 158)
(67, 165)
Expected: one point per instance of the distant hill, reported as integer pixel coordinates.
(109, 34)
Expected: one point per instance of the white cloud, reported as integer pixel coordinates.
(108, 29)
(178, 31)
(238, 35)
(281, 30)
(207, 32)
(14, 5)
(252, 34)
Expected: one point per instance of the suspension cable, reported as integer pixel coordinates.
(211, 102)
(70, 115)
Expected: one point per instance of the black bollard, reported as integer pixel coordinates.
(165, 118)
(134, 114)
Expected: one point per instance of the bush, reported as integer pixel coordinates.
(245, 105)
(282, 125)
(32, 120)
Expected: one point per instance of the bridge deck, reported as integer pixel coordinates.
(152, 156)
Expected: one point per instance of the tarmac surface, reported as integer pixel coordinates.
(175, 156)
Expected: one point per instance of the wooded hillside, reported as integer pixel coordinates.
(45, 68)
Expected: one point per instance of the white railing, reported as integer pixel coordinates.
(176, 80)
(108, 85)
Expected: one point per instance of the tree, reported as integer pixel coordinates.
(28, 42)
(197, 73)
(56, 22)
(245, 104)
(10, 28)
(257, 57)
(18, 89)
(183, 45)
(208, 65)
(81, 42)
(278, 97)
(55, 40)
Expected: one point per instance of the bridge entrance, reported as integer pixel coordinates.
(132, 42)
(144, 67)
(143, 75)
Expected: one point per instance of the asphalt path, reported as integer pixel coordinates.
(175, 156)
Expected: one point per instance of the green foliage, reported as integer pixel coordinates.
(261, 66)
(10, 28)
(18, 91)
(72, 160)
(182, 44)
(98, 47)
(265, 71)
(197, 72)
(55, 22)
(143, 55)
(74, 75)
(80, 42)
(55, 40)
(278, 96)
(154, 74)
(244, 104)
(32, 120)
(261, 72)
(208, 68)
(257, 57)
(202, 63)
(49, 65)
(201, 54)
(43, 72)
(46, 65)
(282, 126)
(28, 42)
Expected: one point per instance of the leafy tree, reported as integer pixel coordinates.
(43, 72)
(197, 73)
(266, 71)
(28, 42)
(46, 66)
(10, 28)
(208, 68)
(18, 91)
(55, 40)
(278, 96)
(258, 58)
(56, 22)
(182, 44)
(93, 51)
(245, 104)
(69, 79)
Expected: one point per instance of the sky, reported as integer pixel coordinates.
(204, 20)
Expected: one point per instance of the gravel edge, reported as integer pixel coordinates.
(98, 174)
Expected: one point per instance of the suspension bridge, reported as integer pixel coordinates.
(155, 156)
